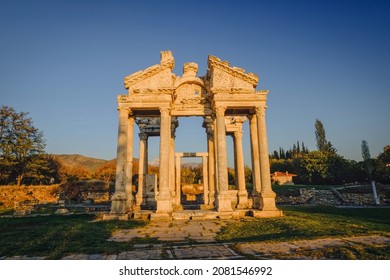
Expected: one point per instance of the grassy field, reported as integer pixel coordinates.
(56, 236)
(305, 222)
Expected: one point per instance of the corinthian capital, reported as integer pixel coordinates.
(165, 111)
(143, 136)
(260, 111)
(220, 111)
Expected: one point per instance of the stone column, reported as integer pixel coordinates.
(256, 181)
(142, 170)
(267, 196)
(178, 179)
(129, 162)
(164, 202)
(118, 200)
(235, 161)
(172, 188)
(215, 156)
(223, 200)
(205, 181)
(240, 171)
(211, 166)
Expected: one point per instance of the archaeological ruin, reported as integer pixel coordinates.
(226, 98)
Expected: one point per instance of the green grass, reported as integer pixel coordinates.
(57, 236)
(310, 223)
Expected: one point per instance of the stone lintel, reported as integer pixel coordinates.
(190, 154)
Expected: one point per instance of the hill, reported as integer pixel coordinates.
(75, 160)
(89, 163)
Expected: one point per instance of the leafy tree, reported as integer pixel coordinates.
(20, 143)
(323, 145)
(43, 169)
(382, 170)
(248, 176)
(106, 172)
(187, 176)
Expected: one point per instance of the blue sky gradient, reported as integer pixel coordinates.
(64, 62)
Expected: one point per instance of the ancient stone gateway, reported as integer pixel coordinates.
(225, 98)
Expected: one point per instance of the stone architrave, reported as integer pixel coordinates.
(156, 97)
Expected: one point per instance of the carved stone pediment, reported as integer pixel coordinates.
(153, 79)
(226, 79)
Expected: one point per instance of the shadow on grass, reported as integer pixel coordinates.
(57, 236)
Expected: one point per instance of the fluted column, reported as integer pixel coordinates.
(178, 180)
(211, 167)
(267, 195)
(223, 199)
(142, 169)
(129, 162)
(172, 188)
(240, 171)
(205, 181)
(215, 156)
(256, 180)
(118, 200)
(164, 203)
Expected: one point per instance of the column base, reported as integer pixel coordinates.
(256, 200)
(223, 203)
(139, 200)
(242, 200)
(164, 205)
(267, 201)
(118, 203)
(206, 206)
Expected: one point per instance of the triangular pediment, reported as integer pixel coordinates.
(224, 76)
(154, 77)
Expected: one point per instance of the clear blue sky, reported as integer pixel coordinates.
(64, 63)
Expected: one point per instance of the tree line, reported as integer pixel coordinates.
(326, 166)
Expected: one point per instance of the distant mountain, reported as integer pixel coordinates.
(75, 160)
(88, 163)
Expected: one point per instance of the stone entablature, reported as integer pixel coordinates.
(226, 97)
